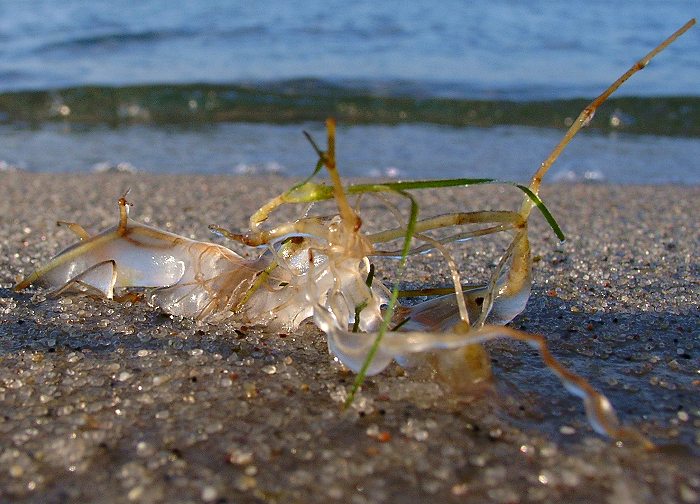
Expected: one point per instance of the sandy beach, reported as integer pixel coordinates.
(109, 402)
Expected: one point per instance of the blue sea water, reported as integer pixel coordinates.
(540, 48)
(501, 50)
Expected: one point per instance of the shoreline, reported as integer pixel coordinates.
(118, 402)
(313, 100)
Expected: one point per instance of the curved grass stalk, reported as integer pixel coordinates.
(586, 115)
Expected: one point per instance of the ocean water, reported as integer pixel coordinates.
(537, 49)
(469, 88)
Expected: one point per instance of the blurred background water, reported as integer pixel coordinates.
(466, 88)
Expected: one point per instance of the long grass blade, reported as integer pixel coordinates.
(389, 313)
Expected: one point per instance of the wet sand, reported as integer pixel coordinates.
(112, 402)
